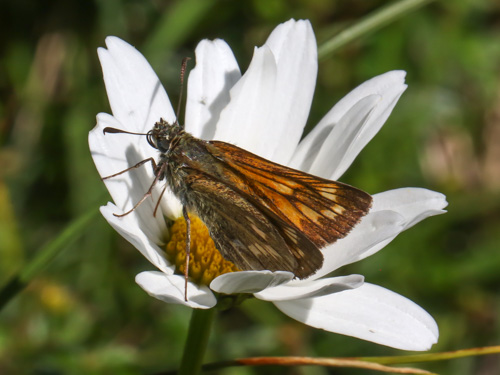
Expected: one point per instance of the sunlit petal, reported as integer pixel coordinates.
(369, 312)
(170, 289)
(215, 73)
(135, 93)
(388, 87)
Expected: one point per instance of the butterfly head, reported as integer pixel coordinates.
(163, 136)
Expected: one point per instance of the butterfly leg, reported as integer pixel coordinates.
(159, 174)
(159, 200)
(151, 160)
(188, 249)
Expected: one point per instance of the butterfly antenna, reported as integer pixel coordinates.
(183, 72)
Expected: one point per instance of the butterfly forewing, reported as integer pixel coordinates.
(323, 210)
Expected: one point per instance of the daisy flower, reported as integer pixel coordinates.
(263, 111)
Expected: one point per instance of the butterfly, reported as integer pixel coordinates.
(260, 215)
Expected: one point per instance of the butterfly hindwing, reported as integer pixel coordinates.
(247, 234)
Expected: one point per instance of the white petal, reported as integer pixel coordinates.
(364, 240)
(138, 100)
(144, 236)
(294, 47)
(112, 154)
(370, 313)
(388, 86)
(336, 148)
(415, 204)
(135, 93)
(310, 288)
(209, 83)
(170, 289)
(244, 121)
(249, 281)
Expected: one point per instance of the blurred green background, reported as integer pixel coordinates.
(84, 314)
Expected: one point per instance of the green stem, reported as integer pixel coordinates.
(370, 23)
(197, 340)
(45, 255)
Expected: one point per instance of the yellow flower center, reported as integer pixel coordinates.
(205, 262)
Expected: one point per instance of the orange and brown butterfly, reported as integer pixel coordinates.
(260, 215)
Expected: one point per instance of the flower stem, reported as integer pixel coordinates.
(196, 342)
(370, 23)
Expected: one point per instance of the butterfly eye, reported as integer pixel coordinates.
(163, 144)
